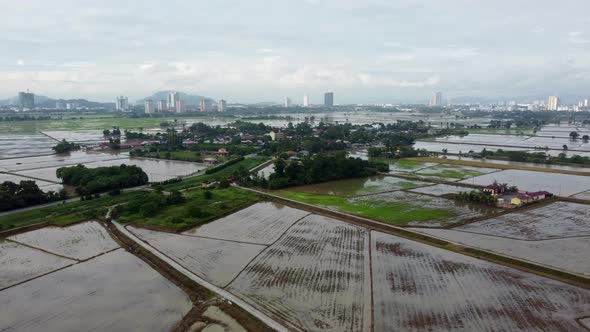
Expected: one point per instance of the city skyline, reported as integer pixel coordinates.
(367, 51)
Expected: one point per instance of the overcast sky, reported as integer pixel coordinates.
(253, 50)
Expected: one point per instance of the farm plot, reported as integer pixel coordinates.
(113, 292)
(557, 220)
(566, 254)
(440, 190)
(558, 184)
(60, 160)
(399, 207)
(362, 186)
(415, 209)
(420, 288)
(261, 223)
(406, 166)
(460, 148)
(15, 146)
(585, 195)
(456, 172)
(316, 277)
(20, 263)
(81, 241)
(216, 261)
(43, 185)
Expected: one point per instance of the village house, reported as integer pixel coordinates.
(529, 197)
(495, 189)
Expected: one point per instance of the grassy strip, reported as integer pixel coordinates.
(498, 166)
(227, 172)
(448, 173)
(196, 211)
(65, 214)
(389, 212)
(191, 156)
(516, 131)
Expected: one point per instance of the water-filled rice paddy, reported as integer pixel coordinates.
(558, 184)
(360, 186)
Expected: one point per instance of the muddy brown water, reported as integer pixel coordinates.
(113, 292)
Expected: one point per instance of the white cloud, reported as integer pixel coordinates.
(577, 37)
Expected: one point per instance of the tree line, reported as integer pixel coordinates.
(25, 193)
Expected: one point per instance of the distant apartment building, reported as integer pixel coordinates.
(329, 99)
(59, 105)
(204, 107)
(305, 101)
(26, 100)
(436, 99)
(122, 103)
(173, 97)
(162, 106)
(553, 103)
(179, 106)
(288, 102)
(149, 107)
(222, 106)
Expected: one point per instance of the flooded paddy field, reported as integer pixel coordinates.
(80, 241)
(261, 223)
(516, 163)
(217, 261)
(585, 195)
(451, 172)
(45, 167)
(360, 186)
(461, 148)
(558, 184)
(113, 292)
(569, 254)
(76, 136)
(15, 146)
(20, 263)
(556, 220)
(60, 160)
(417, 287)
(316, 277)
(440, 190)
(43, 185)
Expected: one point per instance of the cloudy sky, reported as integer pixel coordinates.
(253, 50)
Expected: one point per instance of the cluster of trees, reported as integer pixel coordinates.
(149, 205)
(535, 157)
(115, 132)
(316, 169)
(477, 197)
(26, 193)
(95, 180)
(25, 117)
(65, 146)
(574, 135)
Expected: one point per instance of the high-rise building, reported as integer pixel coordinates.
(587, 102)
(436, 99)
(553, 103)
(329, 99)
(173, 97)
(149, 107)
(59, 105)
(204, 107)
(221, 106)
(122, 103)
(162, 106)
(179, 106)
(26, 100)
(305, 101)
(288, 102)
